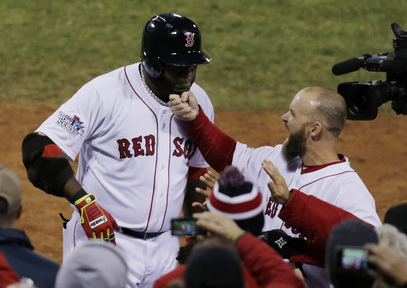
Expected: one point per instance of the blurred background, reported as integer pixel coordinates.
(263, 51)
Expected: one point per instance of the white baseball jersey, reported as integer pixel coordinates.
(337, 184)
(133, 153)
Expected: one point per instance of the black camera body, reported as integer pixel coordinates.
(364, 98)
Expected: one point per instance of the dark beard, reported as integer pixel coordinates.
(294, 146)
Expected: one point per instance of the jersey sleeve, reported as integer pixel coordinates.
(74, 121)
(355, 198)
(249, 160)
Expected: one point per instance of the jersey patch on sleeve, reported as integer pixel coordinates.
(72, 125)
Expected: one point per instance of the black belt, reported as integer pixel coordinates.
(141, 235)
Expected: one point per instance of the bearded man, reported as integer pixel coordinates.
(304, 179)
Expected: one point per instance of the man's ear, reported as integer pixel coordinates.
(315, 129)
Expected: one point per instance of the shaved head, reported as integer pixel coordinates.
(330, 107)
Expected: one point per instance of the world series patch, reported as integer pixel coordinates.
(72, 125)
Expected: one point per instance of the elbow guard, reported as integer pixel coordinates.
(47, 168)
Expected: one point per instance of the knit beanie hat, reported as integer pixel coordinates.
(238, 199)
(351, 233)
(213, 267)
(397, 216)
(94, 264)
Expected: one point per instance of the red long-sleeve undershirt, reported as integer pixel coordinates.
(216, 147)
(314, 219)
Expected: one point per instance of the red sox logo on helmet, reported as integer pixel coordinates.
(190, 39)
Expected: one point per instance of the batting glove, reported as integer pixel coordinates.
(97, 222)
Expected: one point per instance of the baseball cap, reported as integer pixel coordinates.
(11, 192)
(94, 264)
(213, 266)
(354, 233)
(238, 199)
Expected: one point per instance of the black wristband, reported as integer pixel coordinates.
(77, 195)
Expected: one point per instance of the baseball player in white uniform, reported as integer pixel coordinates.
(308, 160)
(134, 157)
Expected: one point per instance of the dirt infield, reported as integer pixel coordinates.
(377, 151)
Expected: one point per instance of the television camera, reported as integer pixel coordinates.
(364, 98)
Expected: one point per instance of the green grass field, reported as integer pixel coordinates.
(263, 51)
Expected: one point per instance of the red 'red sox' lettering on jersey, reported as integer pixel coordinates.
(145, 146)
(272, 209)
(189, 148)
(148, 148)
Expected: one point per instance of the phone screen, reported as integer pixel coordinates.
(353, 258)
(183, 227)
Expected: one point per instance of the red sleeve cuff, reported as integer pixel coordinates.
(287, 210)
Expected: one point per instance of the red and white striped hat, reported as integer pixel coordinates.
(235, 197)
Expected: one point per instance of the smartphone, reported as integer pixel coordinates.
(352, 258)
(184, 227)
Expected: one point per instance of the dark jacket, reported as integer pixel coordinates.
(19, 251)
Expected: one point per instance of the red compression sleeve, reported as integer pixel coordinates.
(216, 147)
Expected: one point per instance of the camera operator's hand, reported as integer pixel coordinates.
(388, 265)
(219, 224)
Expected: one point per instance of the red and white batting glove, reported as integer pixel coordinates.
(97, 222)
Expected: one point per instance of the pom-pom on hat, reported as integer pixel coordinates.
(238, 199)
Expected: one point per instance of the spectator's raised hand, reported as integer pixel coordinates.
(219, 224)
(388, 264)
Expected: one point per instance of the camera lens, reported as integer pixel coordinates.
(361, 101)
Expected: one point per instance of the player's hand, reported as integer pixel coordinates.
(184, 106)
(209, 179)
(97, 222)
(278, 187)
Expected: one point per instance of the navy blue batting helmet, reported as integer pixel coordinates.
(172, 39)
